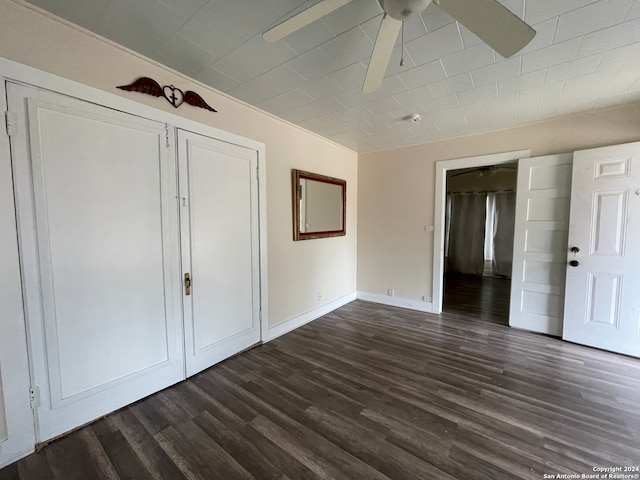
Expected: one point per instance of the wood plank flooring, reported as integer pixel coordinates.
(475, 297)
(372, 392)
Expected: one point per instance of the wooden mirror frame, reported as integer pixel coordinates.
(296, 194)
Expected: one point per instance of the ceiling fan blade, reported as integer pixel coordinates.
(385, 41)
(303, 19)
(494, 24)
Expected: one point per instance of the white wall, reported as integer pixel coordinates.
(396, 191)
(297, 271)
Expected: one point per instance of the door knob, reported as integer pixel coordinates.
(574, 263)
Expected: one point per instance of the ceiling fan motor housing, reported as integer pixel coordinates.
(401, 9)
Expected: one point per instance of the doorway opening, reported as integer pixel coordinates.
(440, 222)
(478, 255)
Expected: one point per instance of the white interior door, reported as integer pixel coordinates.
(602, 307)
(96, 197)
(540, 243)
(219, 225)
(17, 434)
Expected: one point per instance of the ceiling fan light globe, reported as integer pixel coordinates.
(401, 9)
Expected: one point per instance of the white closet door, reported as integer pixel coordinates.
(219, 224)
(17, 435)
(540, 243)
(96, 197)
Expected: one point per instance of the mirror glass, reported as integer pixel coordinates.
(318, 205)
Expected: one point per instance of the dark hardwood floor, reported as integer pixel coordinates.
(372, 392)
(475, 298)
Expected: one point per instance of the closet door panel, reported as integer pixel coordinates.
(221, 245)
(101, 208)
(98, 223)
(219, 223)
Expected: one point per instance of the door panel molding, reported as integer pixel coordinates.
(608, 240)
(604, 290)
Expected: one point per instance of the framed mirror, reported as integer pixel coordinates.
(319, 204)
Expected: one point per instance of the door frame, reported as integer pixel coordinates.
(442, 167)
(19, 435)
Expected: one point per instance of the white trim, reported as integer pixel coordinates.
(439, 209)
(262, 235)
(418, 305)
(18, 456)
(300, 320)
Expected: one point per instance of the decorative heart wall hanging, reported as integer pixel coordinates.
(174, 95)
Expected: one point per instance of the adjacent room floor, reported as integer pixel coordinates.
(477, 297)
(372, 392)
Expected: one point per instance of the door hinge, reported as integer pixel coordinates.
(34, 397)
(187, 283)
(11, 122)
(166, 134)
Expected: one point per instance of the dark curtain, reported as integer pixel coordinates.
(466, 233)
(503, 225)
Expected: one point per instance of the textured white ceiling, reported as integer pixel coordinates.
(586, 55)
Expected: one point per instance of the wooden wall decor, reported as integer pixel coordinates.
(174, 95)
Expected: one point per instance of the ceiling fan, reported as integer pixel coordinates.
(488, 19)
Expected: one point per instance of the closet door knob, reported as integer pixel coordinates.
(574, 263)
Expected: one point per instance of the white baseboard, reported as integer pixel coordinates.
(285, 327)
(17, 457)
(396, 301)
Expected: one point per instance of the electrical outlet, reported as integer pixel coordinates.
(390, 292)
(426, 299)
